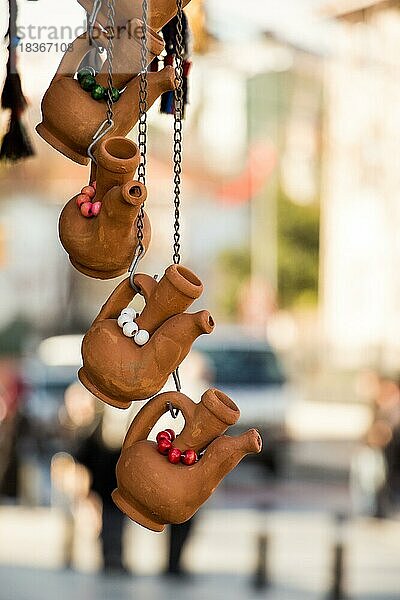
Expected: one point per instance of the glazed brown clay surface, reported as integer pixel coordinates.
(159, 12)
(118, 371)
(70, 116)
(103, 246)
(154, 492)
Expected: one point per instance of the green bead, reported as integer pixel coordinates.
(88, 83)
(99, 92)
(84, 73)
(115, 94)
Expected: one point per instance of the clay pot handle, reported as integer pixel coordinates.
(119, 299)
(151, 412)
(146, 285)
(72, 58)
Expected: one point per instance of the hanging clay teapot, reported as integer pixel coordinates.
(159, 13)
(152, 491)
(115, 368)
(103, 246)
(71, 117)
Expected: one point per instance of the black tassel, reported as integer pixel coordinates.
(16, 143)
(12, 96)
(169, 32)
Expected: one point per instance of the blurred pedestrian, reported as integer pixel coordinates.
(368, 473)
(178, 536)
(197, 374)
(12, 425)
(375, 470)
(99, 453)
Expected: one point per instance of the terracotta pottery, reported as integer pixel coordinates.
(127, 53)
(173, 294)
(117, 370)
(103, 246)
(70, 115)
(152, 491)
(159, 13)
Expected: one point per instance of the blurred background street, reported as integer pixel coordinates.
(291, 216)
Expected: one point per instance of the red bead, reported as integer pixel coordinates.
(171, 433)
(96, 208)
(81, 199)
(86, 209)
(163, 435)
(189, 457)
(164, 446)
(89, 191)
(174, 456)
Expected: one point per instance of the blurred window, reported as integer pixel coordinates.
(245, 367)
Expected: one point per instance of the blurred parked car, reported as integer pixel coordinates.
(247, 369)
(47, 372)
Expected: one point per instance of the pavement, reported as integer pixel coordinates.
(221, 557)
(29, 584)
(296, 518)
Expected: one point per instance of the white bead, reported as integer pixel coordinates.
(128, 311)
(124, 319)
(130, 329)
(142, 337)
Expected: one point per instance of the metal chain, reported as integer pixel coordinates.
(108, 124)
(110, 57)
(142, 126)
(178, 114)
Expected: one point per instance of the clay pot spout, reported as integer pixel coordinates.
(173, 294)
(210, 418)
(224, 453)
(103, 246)
(193, 325)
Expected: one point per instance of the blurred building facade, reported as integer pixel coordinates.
(361, 209)
(253, 120)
